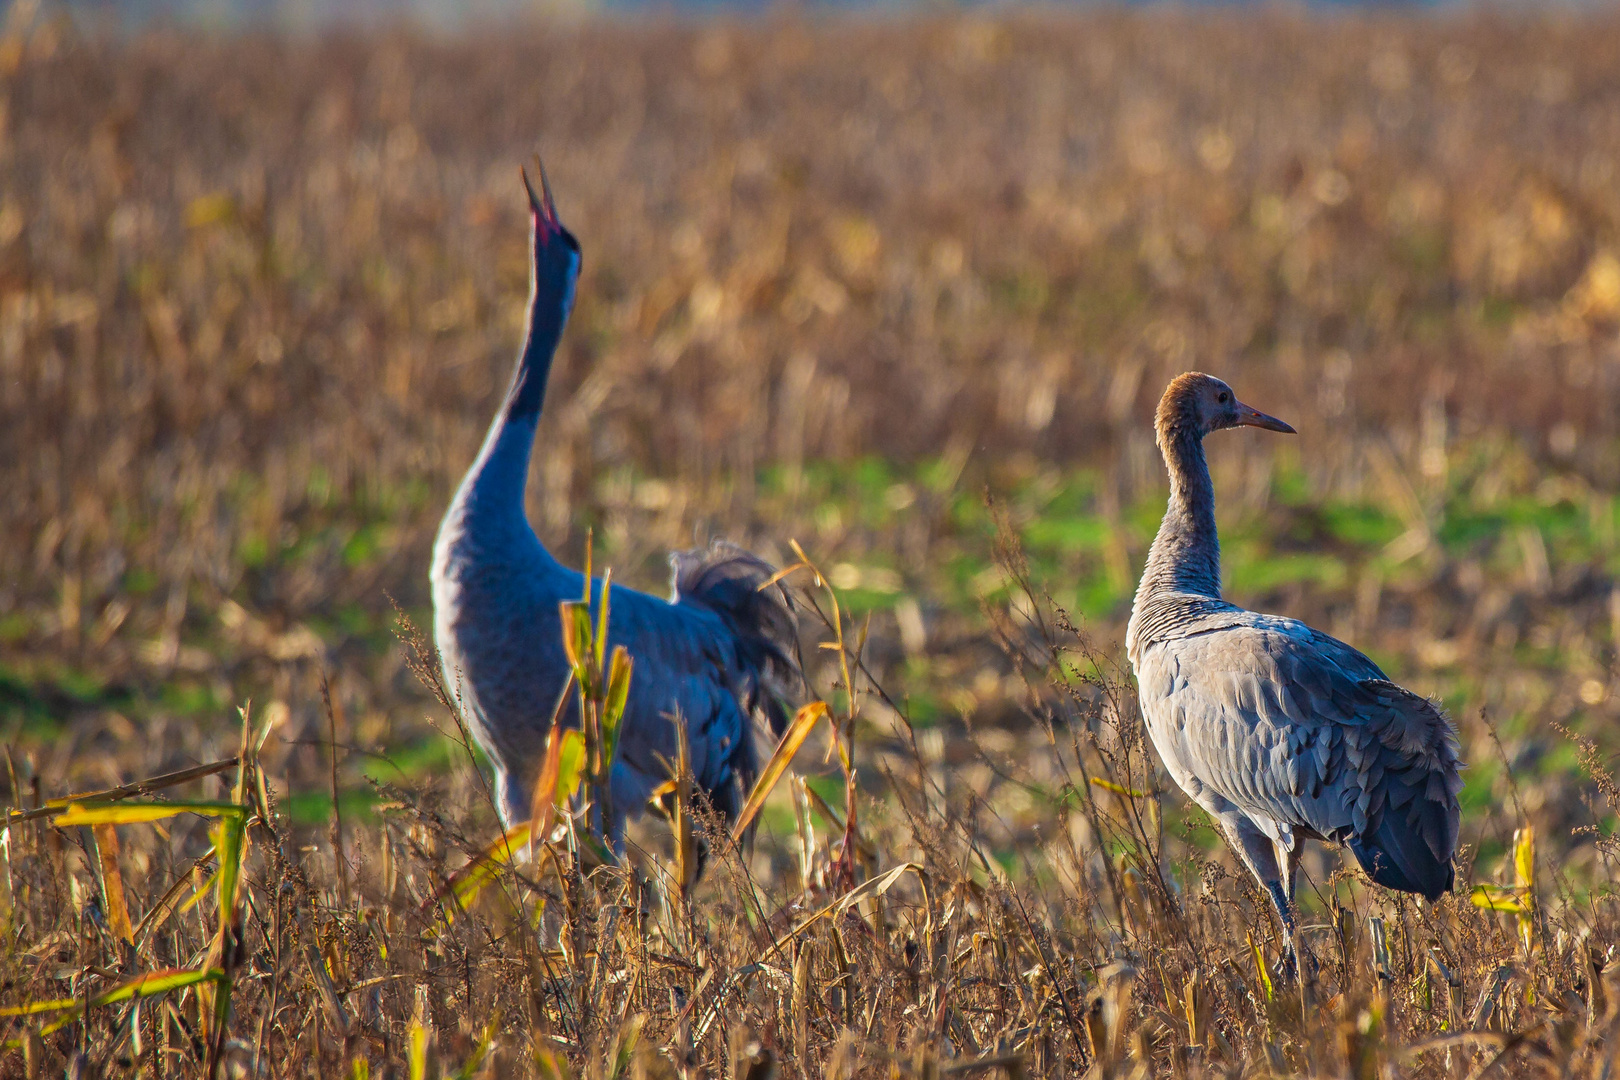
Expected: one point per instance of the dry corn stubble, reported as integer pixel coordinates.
(257, 296)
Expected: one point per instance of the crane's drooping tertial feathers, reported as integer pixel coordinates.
(713, 657)
(1279, 731)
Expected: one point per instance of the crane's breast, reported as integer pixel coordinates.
(500, 644)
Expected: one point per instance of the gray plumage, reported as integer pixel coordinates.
(1279, 731)
(714, 656)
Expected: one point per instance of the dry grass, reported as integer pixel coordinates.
(258, 296)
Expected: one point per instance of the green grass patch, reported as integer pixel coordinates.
(315, 807)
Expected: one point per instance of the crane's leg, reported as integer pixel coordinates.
(1259, 854)
(1288, 862)
(1282, 898)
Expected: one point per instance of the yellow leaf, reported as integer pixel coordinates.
(661, 798)
(416, 1051)
(33, 1007)
(137, 813)
(618, 692)
(229, 836)
(792, 739)
(577, 640)
(1500, 898)
(156, 982)
(1524, 856)
(602, 619)
(197, 894)
(142, 986)
(1260, 967)
(112, 882)
(613, 703)
(543, 806)
(465, 884)
(551, 1065)
(212, 209)
(1120, 789)
(570, 765)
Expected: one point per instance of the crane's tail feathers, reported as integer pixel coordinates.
(1397, 857)
(1411, 829)
(736, 585)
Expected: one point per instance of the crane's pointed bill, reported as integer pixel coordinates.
(545, 190)
(535, 205)
(1250, 417)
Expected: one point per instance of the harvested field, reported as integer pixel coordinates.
(903, 290)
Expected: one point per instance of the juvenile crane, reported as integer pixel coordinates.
(1279, 731)
(713, 657)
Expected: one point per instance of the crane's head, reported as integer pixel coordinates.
(555, 251)
(1199, 404)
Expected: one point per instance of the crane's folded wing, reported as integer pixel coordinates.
(1291, 725)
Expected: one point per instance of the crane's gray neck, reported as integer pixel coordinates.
(493, 489)
(1186, 555)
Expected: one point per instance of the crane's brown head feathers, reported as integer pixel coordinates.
(1196, 404)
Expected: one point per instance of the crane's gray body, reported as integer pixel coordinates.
(496, 623)
(1282, 733)
(712, 657)
(1279, 731)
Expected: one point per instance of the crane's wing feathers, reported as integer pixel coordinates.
(717, 655)
(686, 671)
(737, 586)
(1299, 729)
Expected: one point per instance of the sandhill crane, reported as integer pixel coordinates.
(713, 657)
(1279, 731)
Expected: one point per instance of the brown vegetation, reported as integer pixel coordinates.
(258, 296)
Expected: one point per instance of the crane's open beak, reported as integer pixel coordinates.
(1248, 417)
(540, 204)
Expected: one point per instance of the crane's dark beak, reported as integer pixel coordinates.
(540, 205)
(1249, 417)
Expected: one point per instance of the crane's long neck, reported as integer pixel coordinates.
(491, 495)
(1186, 555)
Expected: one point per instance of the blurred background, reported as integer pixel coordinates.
(449, 14)
(848, 276)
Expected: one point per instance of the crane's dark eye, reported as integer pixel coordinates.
(1223, 397)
